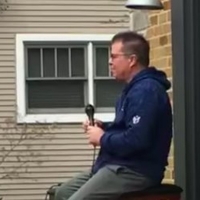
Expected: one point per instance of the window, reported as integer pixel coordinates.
(56, 78)
(58, 75)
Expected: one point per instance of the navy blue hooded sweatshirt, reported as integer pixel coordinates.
(140, 135)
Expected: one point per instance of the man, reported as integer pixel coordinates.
(135, 146)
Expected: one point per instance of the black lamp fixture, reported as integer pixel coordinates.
(144, 4)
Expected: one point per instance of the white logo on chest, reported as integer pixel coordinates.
(136, 119)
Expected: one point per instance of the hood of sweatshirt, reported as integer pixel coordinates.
(152, 73)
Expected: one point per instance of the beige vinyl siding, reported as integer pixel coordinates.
(63, 16)
(52, 158)
(62, 152)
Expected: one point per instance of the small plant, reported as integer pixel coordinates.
(13, 137)
(3, 6)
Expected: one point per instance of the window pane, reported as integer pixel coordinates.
(63, 62)
(55, 94)
(102, 66)
(77, 62)
(48, 62)
(34, 67)
(107, 92)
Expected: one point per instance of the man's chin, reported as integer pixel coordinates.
(116, 78)
(113, 75)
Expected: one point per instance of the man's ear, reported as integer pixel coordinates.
(133, 60)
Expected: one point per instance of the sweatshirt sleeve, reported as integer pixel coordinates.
(141, 114)
(105, 125)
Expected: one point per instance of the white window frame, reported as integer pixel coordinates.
(22, 116)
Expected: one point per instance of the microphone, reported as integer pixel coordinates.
(89, 110)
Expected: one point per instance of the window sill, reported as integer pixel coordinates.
(62, 118)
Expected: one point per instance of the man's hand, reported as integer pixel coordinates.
(86, 123)
(94, 134)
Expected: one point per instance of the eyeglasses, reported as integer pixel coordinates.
(113, 56)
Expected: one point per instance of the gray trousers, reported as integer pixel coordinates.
(107, 184)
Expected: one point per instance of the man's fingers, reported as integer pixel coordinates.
(85, 125)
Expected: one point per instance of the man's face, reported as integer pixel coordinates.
(120, 63)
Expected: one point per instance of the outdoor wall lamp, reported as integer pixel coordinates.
(139, 19)
(144, 4)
